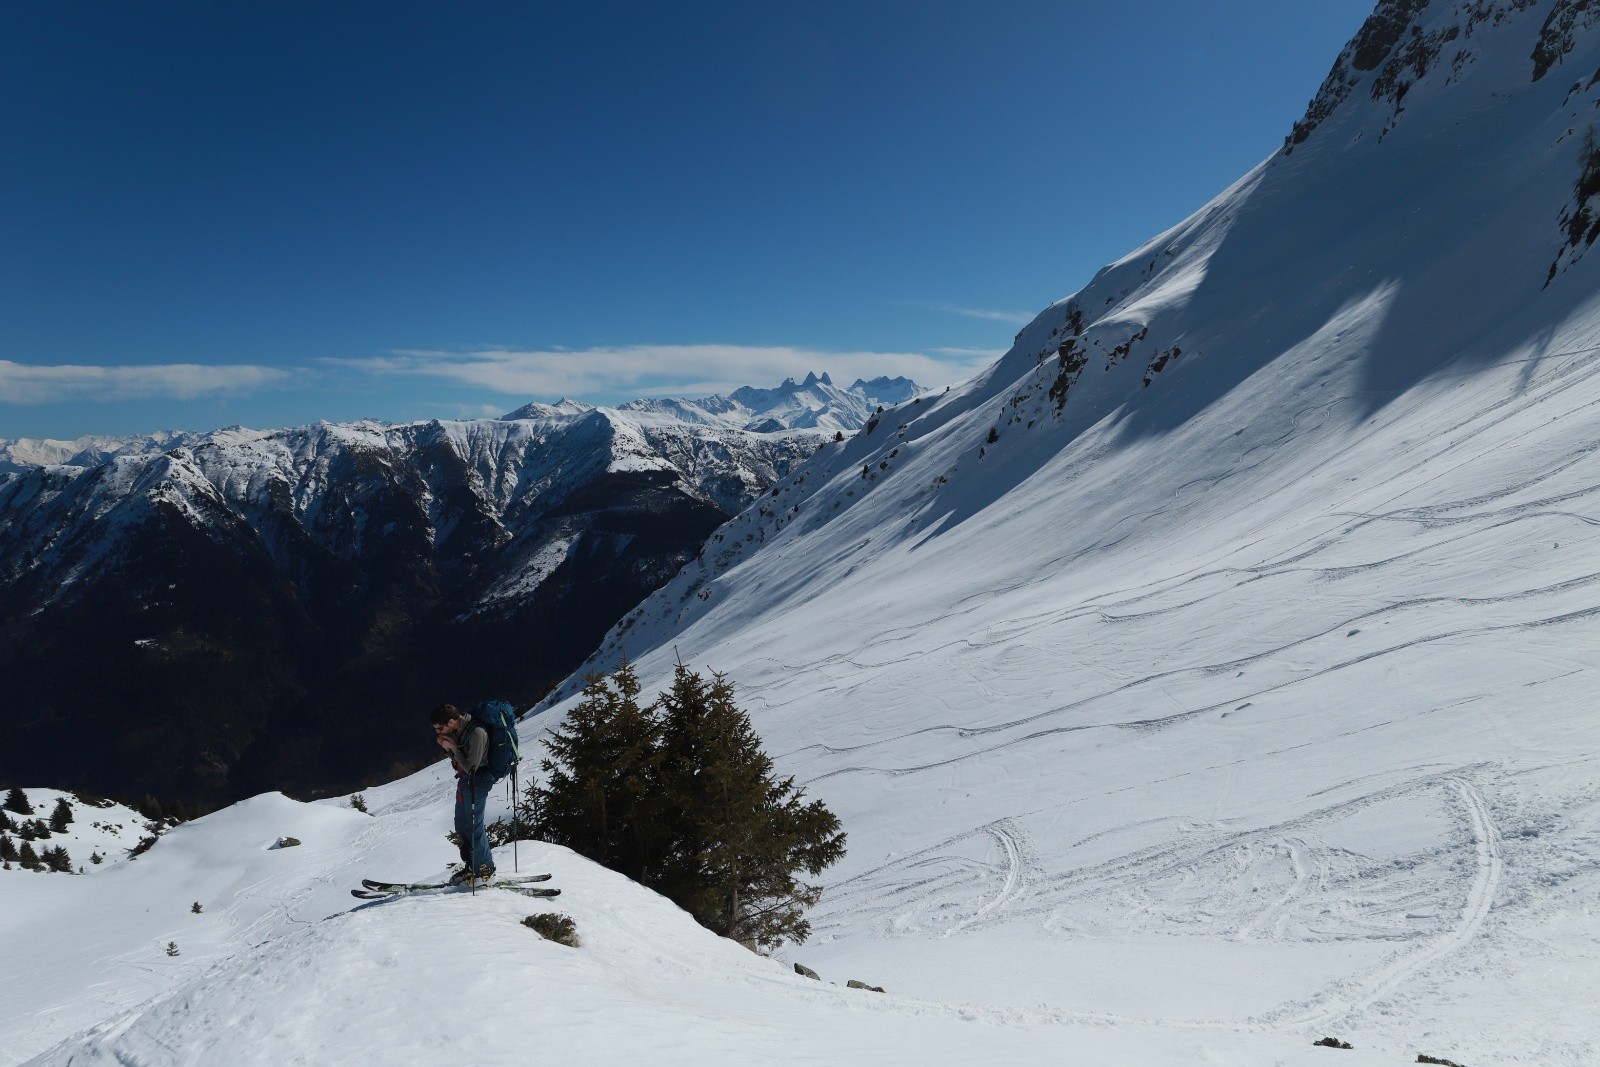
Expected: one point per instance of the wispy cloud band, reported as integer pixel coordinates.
(23, 383)
(597, 375)
(1012, 318)
(655, 370)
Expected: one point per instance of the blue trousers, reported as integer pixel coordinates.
(472, 795)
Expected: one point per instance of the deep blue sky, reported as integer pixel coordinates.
(219, 213)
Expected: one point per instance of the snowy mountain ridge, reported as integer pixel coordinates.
(813, 404)
(259, 581)
(1212, 676)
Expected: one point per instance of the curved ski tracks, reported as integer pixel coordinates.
(1357, 992)
(1026, 888)
(1008, 835)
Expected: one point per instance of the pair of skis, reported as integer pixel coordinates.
(375, 890)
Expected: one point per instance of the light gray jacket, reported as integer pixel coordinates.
(472, 746)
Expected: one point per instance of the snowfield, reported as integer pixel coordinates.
(1213, 674)
(283, 966)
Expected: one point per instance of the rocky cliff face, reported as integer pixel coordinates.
(204, 616)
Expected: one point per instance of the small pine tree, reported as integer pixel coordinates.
(195, 908)
(6, 825)
(41, 830)
(61, 816)
(8, 849)
(17, 801)
(679, 796)
(95, 857)
(57, 859)
(602, 767)
(359, 802)
(741, 835)
(172, 948)
(28, 858)
(26, 831)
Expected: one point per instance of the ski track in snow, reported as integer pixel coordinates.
(1345, 997)
(905, 892)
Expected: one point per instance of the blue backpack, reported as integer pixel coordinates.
(499, 721)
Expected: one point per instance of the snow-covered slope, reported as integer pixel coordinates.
(98, 833)
(1213, 674)
(1237, 631)
(280, 965)
(18, 454)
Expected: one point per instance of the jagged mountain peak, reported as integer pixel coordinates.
(813, 404)
(885, 390)
(535, 410)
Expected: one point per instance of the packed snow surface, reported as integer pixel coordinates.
(282, 966)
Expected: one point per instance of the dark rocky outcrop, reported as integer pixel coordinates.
(251, 611)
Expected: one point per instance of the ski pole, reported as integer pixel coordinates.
(472, 829)
(516, 822)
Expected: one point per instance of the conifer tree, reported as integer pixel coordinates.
(57, 859)
(17, 801)
(8, 849)
(61, 816)
(741, 836)
(6, 825)
(29, 858)
(680, 797)
(602, 767)
(26, 831)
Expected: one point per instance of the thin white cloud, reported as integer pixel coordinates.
(1012, 318)
(647, 370)
(23, 383)
(983, 355)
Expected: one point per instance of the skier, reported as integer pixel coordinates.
(468, 743)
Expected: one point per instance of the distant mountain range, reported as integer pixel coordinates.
(814, 404)
(207, 615)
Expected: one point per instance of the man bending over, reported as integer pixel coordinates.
(468, 746)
